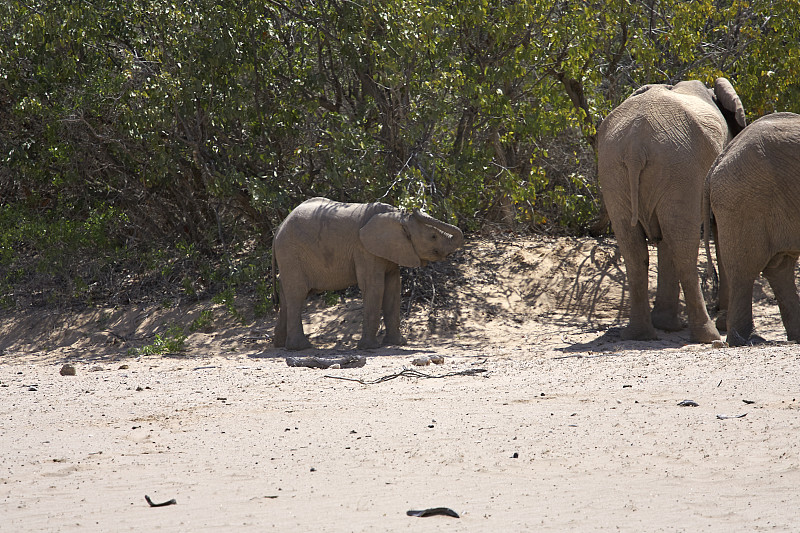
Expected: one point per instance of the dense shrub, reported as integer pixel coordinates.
(130, 127)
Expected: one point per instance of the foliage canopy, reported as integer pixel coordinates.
(131, 124)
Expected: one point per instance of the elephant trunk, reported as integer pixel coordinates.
(456, 236)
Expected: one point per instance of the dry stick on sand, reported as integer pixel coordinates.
(348, 361)
(410, 373)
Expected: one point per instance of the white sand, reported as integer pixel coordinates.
(245, 443)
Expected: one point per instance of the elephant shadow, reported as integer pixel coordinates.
(333, 320)
(579, 281)
(610, 341)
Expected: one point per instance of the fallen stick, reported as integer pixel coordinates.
(348, 361)
(410, 373)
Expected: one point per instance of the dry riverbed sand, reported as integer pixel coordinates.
(545, 420)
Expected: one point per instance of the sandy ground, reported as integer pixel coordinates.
(544, 420)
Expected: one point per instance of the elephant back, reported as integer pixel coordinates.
(763, 161)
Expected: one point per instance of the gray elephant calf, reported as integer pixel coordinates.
(653, 153)
(753, 192)
(326, 245)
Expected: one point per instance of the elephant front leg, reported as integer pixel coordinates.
(391, 308)
(371, 284)
(781, 279)
(701, 328)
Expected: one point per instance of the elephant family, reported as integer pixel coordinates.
(753, 193)
(326, 245)
(653, 153)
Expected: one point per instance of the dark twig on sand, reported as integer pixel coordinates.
(435, 511)
(162, 504)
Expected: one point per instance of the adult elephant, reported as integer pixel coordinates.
(326, 245)
(753, 192)
(654, 151)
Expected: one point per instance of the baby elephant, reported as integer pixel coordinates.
(326, 245)
(753, 192)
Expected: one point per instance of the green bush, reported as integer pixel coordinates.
(159, 139)
(173, 341)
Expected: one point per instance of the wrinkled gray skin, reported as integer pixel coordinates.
(654, 151)
(325, 245)
(753, 191)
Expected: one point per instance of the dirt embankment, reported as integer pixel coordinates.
(565, 428)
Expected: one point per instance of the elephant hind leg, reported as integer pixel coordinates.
(370, 280)
(666, 307)
(633, 246)
(724, 285)
(780, 274)
(391, 308)
(723, 298)
(279, 339)
(740, 308)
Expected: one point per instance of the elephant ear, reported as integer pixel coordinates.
(730, 105)
(385, 236)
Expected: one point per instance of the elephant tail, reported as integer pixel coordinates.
(634, 174)
(707, 230)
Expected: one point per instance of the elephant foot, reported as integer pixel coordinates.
(737, 339)
(638, 333)
(722, 321)
(666, 321)
(705, 333)
(298, 344)
(368, 344)
(279, 338)
(394, 340)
